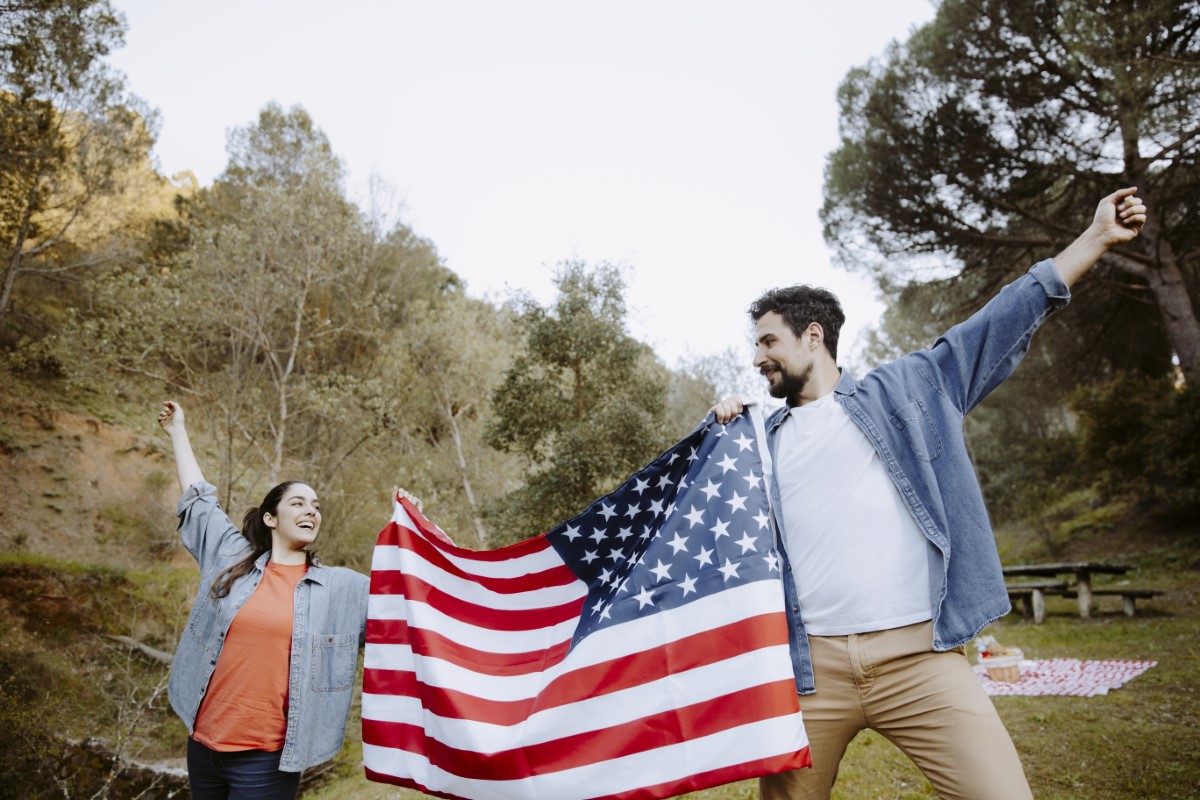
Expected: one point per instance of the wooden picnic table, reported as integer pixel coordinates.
(1081, 570)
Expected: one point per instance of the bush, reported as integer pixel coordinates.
(1137, 437)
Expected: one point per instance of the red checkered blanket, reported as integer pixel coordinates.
(1066, 676)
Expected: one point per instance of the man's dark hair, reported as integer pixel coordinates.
(800, 306)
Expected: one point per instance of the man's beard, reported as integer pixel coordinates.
(789, 385)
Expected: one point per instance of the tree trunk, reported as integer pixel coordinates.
(480, 531)
(1179, 317)
(14, 262)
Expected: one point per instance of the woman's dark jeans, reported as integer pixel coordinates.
(244, 775)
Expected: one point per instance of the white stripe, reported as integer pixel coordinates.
(423, 615)
(724, 608)
(764, 739)
(514, 567)
(680, 689)
(410, 563)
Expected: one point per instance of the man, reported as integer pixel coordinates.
(892, 565)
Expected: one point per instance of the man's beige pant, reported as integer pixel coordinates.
(930, 705)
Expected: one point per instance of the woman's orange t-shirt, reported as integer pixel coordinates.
(245, 707)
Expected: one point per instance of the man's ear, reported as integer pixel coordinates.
(814, 335)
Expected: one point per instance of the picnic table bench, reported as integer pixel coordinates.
(1033, 593)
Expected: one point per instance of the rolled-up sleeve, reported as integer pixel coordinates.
(204, 528)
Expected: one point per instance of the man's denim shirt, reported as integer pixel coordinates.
(328, 627)
(912, 410)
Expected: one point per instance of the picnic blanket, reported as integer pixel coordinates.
(1066, 676)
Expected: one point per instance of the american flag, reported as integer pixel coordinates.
(638, 650)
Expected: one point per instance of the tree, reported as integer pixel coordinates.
(993, 131)
(584, 404)
(70, 131)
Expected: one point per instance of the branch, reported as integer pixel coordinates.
(153, 654)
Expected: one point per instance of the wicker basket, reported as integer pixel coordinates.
(1004, 668)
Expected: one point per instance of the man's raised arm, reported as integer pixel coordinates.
(1119, 219)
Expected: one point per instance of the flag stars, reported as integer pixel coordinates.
(663, 571)
(625, 533)
(727, 463)
(772, 561)
(712, 489)
(597, 536)
(664, 481)
(695, 517)
(688, 584)
(589, 557)
(572, 533)
(742, 442)
(633, 509)
(704, 556)
(747, 543)
(720, 529)
(753, 479)
(679, 543)
(607, 511)
(641, 485)
(736, 502)
(762, 519)
(730, 570)
(644, 598)
(656, 507)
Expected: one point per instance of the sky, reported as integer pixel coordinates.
(682, 141)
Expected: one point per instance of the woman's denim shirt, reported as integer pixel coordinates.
(328, 628)
(912, 410)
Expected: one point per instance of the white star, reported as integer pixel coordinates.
(747, 543)
(721, 432)
(644, 598)
(641, 485)
(692, 456)
(742, 442)
(589, 557)
(607, 511)
(605, 575)
(762, 519)
(752, 479)
(772, 561)
(694, 517)
(712, 489)
(597, 535)
(663, 571)
(633, 509)
(572, 533)
(669, 510)
(599, 605)
(736, 502)
(729, 570)
(614, 554)
(678, 543)
(664, 481)
(656, 507)
(605, 613)
(705, 556)
(625, 533)
(671, 460)
(688, 584)
(727, 463)
(647, 532)
(720, 529)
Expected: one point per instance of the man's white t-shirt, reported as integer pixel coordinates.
(858, 558)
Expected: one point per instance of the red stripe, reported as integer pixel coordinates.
(673, 658)
(416, 589)
(449, 703)
(407, 540)
(427, 531)
(429, 643)
(716, 777)
(578, 750)
(692, 783)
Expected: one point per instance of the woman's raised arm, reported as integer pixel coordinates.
(170, 418)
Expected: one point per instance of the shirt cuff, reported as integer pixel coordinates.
(1045, 273)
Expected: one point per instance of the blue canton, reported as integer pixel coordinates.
(693, 523)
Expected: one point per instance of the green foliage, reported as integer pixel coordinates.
(1138, 437)
(584, 404)
(990, 136)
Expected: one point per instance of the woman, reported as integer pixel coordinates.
(264, 672)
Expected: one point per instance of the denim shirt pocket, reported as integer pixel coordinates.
(913, 421)
(334, 658)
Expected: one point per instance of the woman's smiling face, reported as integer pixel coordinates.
(297, 520)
